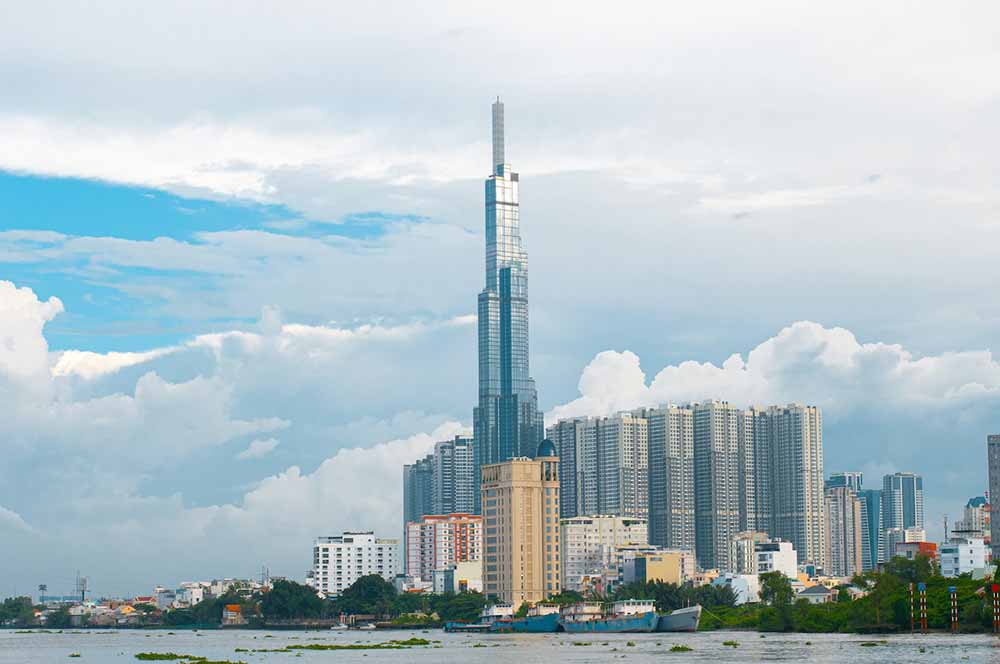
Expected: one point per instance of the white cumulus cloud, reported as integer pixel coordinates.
(258, 448)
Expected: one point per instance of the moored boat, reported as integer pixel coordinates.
(627, 616)
(455, 626)
(681, 620)
(541, 618)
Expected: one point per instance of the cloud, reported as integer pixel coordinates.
(803, 362)
(12, 520)
(89, 365)
(258, 449)
(23, 349)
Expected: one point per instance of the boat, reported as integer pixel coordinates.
(681, 620)
(627, 616)
(489, 616)
(338, 627)
(367, 627)
(541, 618)
(456, 626)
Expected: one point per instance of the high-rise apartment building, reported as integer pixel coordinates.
(590, 546)
(902, 501)
(521, 539)
(438, 541)
(622, 458)
(993, 462)
(872, 532)
(670, 439)
(507, 422)
(606, 461)
(418, 489)
(443, 482)
(844, 528)
(576, 442)
(717, 481)
(454, 484)
(796, 480)
(341, 560)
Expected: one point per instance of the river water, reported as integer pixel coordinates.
(121, 646)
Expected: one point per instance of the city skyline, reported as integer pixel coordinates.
(235, 300)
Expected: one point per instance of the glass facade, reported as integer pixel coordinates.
(507, 422)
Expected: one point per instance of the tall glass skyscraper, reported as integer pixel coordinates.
(507, 422)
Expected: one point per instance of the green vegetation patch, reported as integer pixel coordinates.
(413, 642)
(680, 648)
(731, 644)
(166, 657)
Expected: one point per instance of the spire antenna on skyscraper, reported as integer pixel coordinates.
(498, 155)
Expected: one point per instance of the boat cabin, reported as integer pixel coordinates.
(633, 607)
(583, 611)
(543, 609)
(496, 612)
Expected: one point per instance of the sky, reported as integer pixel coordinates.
(240, 254)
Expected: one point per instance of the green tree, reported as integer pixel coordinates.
(368, 595)
(463, 607)
(287, 600)
(775, 589)
(17, 610)
(59, 619)
(919, 569)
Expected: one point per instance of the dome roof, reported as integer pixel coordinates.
(546, 449)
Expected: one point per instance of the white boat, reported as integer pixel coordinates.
(338, 627)
(681, 620)
(367, 627)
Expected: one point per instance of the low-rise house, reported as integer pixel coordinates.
(818, 594)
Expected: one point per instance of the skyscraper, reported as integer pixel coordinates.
(521, 544)
(507, 422)
(716, 481)
(843, 531)
(418, 489)
(797, 504)
(670, 435)
(454, 486)
(993, 459)
(902, 501)
(872, 537)
(576, 441)
(606, 465)
(621, 461)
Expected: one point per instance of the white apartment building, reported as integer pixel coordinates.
(590, 546)
(777, 556)
(436, 542)
(341, 560)
(962, 555)
(743, 551)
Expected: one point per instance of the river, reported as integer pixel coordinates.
(122, 646)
